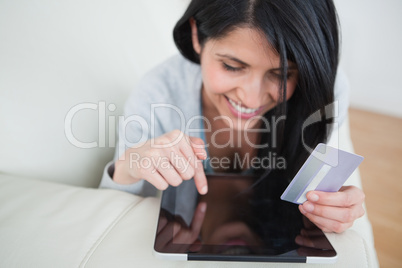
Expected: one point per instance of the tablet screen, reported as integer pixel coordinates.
(236, 220)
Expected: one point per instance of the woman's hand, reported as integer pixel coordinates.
(334, 212)
(163, 161)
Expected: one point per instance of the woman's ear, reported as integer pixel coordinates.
(194, 36)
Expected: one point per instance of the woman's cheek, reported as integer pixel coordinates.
(291, 90)
(218, 82)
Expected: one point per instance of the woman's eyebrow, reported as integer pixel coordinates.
(233, 59)
(291, 67)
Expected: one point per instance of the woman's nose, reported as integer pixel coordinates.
(253, 93)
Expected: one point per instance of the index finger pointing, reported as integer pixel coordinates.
(200, 179)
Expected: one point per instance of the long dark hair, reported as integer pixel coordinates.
(302, 31)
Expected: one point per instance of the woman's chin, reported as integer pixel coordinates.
(244, 125)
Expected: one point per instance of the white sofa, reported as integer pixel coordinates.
(59, 56)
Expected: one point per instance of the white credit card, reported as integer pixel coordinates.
(326, 169)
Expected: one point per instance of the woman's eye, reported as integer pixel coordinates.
(231, 69)
(279, 76)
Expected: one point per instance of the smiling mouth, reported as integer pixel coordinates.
(242, 110)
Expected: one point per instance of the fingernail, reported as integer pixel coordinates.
(302, 210)
(313, 197)
(309, 207)
(204, 189)
(202, 155)
(203, 207)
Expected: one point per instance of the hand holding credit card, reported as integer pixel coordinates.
(326, 169)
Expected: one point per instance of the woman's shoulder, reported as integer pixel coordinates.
(177, 62)
(171, 81)
(174, 74)
(176, 81)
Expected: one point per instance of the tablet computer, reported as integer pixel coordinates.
(237, 221)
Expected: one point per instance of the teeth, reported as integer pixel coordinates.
(242, 109)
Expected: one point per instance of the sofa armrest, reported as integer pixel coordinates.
(45, 224)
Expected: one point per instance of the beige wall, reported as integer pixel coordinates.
(372, 53)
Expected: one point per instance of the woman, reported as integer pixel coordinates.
(250, 73)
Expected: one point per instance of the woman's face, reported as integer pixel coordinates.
(241, 76)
